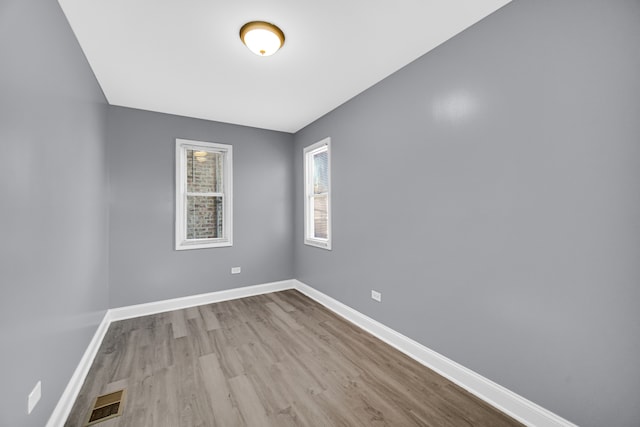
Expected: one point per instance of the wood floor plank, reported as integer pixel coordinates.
(115, 386)
(192, 409)
(277, 359)
(217, 388)
(179, 323)
(162, 354)
(284, 316)
(192, 313)
(210, 320)
(164, 403)
(282, 303)
(298, 393)
(227, 354)
(251, 407)
(126, 356)
(201, 341)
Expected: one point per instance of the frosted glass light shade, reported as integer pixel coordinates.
(262, 38)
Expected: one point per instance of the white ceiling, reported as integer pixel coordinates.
(185, 57)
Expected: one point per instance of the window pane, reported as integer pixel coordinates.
(204, 217)
(204, 172)
(321, 172)
(320, 217)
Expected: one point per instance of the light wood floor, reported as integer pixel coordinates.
(278, 359)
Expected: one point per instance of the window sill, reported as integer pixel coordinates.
(318, 244)
(186, 245)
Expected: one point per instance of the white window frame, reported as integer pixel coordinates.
(309, 151)
(181, 242)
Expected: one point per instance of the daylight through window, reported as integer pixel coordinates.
(317, 212)
(203, 194)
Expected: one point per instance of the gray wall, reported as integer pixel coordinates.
(143, 264)
(490, 191)
(53, 257)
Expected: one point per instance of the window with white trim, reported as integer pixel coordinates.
(317, 191)
(204, 204)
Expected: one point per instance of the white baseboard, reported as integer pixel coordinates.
(68, 398)
(505, 400)
(63, 408)
(138, 310)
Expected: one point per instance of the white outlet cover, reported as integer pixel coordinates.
(34, 397)
(236, 270)
(376, 295)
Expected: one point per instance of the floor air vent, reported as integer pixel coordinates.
(106, 407)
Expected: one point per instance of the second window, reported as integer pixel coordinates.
(317, 208)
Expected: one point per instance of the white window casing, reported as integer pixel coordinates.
(204, 195)
(317, 194)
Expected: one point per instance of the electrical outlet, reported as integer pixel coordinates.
(34, 397)
(236, 270)
(376, 295)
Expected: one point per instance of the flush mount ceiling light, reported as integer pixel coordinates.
(262, 38)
